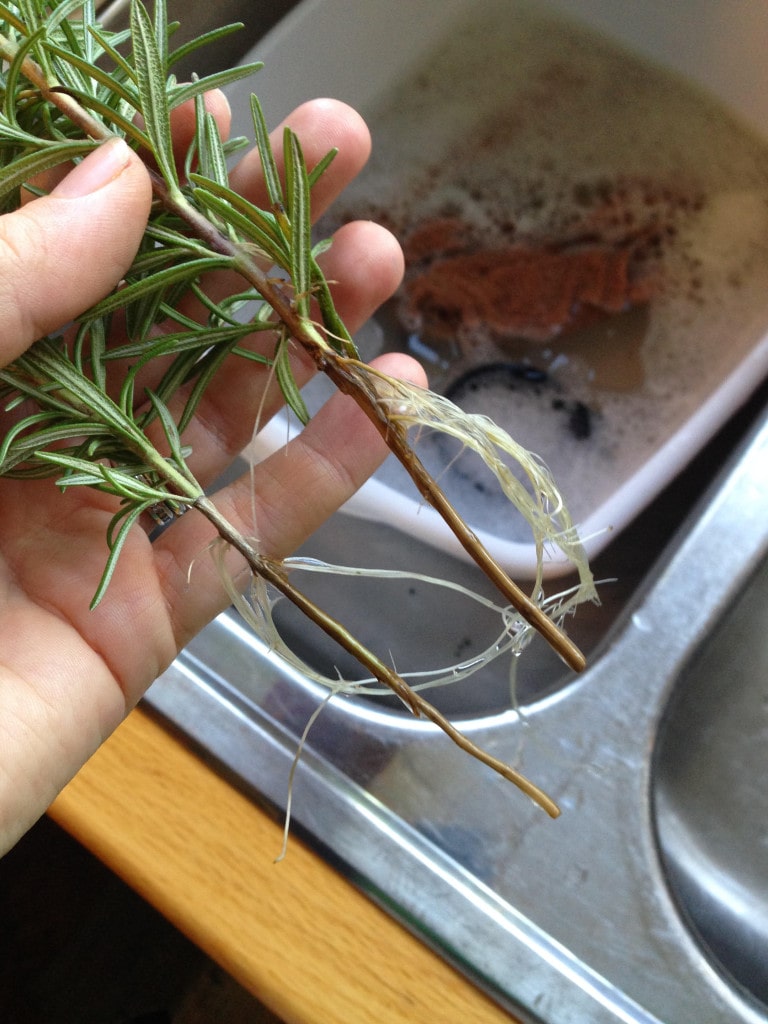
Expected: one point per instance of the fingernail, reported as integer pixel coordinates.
(97, 170)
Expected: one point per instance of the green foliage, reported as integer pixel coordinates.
(67, 86)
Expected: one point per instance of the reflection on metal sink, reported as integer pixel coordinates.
(710, 793)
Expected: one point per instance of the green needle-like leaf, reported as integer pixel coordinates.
(213, 162)
(151, 80)
(11, 16)
(213, 36)
(268, 222)
(163, 279)
(301, 223)
(261, 229)
(287, 382)
(206, 370)
(126, 519)
(183, 341)
(320, 168)
(109, 47)
(181, 93)
(169, 427)
(92, 71)
(64, 11)
(118, 120)
(267, 157)
(15, 175)
(161, 33)
(14, 73)
(32, 17)
(22, 444)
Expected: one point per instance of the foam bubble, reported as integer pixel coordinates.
(525, 130)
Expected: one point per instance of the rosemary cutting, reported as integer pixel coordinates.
(69, 84)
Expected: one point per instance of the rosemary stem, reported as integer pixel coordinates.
(274, 573)
(54, 93)
(343, 373)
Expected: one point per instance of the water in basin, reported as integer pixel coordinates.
(581, 154)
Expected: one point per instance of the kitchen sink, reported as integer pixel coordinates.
(646, 900)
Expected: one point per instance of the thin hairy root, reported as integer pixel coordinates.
(275, 574)
(395, 406)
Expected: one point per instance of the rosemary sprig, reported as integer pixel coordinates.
(58, 103)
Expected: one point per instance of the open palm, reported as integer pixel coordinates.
(68, 675)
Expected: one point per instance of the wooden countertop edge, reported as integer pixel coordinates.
(297, 935)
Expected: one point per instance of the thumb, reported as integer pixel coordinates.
(61, 253)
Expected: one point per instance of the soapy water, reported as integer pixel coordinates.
(525, 133)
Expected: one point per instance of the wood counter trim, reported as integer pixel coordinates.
(297, 935)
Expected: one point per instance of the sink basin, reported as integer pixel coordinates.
(711, 802)
(513, 143)
(645, 901)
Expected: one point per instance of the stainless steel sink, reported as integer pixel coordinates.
(646, 901)
(709, 788)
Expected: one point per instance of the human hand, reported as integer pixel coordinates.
(69, 675)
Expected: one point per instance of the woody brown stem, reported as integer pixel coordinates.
(345, 376)
(274, 573)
